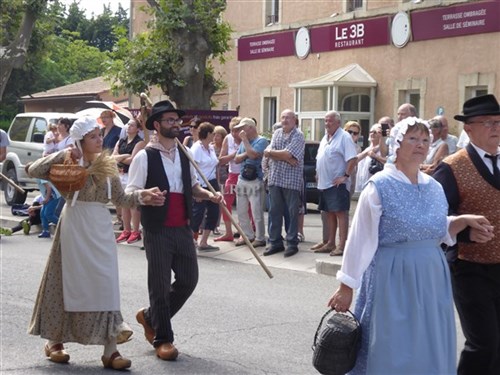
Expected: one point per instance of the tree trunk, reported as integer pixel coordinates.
(13, 56)
(197, 90)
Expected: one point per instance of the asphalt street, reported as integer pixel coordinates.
(238, 321)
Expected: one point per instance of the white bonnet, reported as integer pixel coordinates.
(82, 126)
(398, 132)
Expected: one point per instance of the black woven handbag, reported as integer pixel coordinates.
(336, 343)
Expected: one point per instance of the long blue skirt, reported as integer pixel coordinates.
(405, 306)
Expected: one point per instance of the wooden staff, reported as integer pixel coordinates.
(222, 204)
(146, 105)
(16, 186)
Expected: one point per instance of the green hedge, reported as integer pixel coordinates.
(4, 124)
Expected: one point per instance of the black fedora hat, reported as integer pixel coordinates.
(484, 105)
(158, 109)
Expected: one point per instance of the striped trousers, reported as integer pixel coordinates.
(170, 249)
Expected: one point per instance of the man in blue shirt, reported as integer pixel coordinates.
(250, 187)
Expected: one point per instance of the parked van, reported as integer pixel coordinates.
(26, 133)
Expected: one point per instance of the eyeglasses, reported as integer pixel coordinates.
(171, 121)
(374, 132)
(352, 132)
(193, 127)
(486, 123)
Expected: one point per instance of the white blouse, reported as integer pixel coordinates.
(362, 241)
(207, 161)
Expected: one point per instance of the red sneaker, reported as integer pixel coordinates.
(134, 237)
(123, 236)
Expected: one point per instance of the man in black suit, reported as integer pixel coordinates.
(471, 181)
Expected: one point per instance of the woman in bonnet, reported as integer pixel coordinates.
(79, 299)
(393, 255)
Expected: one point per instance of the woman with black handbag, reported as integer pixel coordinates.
(393, 255)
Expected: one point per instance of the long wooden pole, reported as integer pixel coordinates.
(16, 186)
(223, 205)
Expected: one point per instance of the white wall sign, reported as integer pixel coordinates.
(302, 43)
(400, 29)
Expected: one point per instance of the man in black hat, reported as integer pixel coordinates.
(471, 181)
(168, 239)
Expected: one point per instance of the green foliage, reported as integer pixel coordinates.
(65, 47)
(179, 32)
(11, 13)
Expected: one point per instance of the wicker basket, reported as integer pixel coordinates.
(336, 343)
(69, 176)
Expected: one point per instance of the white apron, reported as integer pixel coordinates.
(89, 258)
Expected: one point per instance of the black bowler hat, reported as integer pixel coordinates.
(158, 109)
(485, 105)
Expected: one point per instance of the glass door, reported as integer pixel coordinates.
(364, 121)
(313, 126)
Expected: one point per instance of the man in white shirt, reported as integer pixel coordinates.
(335, 161)
(168, 238)
(450, 139)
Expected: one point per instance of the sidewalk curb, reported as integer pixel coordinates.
(324, 267)
(303, 262)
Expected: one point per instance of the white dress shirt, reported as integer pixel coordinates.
(138, 172)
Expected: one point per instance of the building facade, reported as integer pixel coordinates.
(362, 58)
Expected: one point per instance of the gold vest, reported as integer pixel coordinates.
(480, 198)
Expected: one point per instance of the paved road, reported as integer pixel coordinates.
(237, 321)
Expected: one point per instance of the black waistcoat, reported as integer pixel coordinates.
(152, 217)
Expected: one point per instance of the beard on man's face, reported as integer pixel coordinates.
(171, 132)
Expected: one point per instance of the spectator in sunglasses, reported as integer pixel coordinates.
(193, 129)
(354, 129)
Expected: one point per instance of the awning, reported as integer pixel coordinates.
(351, 75)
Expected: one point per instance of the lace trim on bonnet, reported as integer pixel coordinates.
(398, 132)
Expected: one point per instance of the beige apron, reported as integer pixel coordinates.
(89, 258)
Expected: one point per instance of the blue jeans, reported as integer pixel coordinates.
(283, 201)
(48, 213)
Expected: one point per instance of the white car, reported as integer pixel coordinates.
(26, 133)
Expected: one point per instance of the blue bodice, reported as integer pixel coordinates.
(410, 212)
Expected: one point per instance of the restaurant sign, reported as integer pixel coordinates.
(362, 33)
(358, 34)
(265, 46)
(475, 18)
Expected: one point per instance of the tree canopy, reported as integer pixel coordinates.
(176, 52)
(65, 46)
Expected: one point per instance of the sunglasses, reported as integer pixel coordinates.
(352, 132)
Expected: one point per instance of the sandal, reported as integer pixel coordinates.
(208, 248)
(224, 238)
